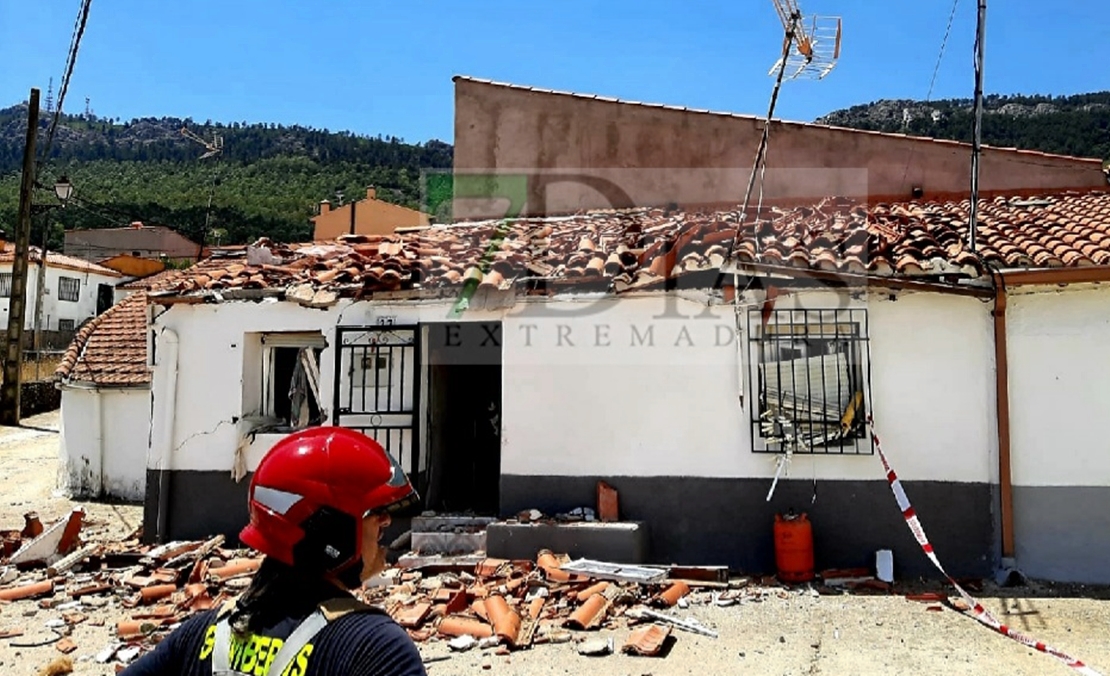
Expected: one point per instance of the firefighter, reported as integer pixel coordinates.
(319, 502)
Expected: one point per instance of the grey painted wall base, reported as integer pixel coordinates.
(719, 521)
(200, 505)
(1062, 533)
(626, 542)
(205, 504)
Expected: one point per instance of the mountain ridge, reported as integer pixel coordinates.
(1077, 125)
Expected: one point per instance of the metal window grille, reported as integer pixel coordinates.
(6, 285)
(810, 381)
(67, 324)
(69, 288)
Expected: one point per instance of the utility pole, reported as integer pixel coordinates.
(40, 288)
(17, 304)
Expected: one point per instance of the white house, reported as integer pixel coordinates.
(75, 290)
(623, 346)
(105, 416)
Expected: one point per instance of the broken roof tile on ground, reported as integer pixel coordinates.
(643, 248)
(146, 591)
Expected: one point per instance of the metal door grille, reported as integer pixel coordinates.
(377, 387)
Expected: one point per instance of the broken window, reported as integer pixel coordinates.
(291, 379)
(809, 381)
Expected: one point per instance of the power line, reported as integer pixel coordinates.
(943, 44)
(71, 61)
(933, 80)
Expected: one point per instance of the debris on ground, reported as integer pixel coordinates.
(467, 602)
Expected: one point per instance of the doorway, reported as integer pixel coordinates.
(464, 417)
(105, 298)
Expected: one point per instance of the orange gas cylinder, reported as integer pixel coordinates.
(794, 547)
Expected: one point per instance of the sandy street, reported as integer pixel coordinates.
(793, 631)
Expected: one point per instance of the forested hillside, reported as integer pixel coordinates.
(1070, 125)
(268, 179)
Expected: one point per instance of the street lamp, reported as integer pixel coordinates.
(63, 189)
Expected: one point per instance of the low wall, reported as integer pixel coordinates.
(38, 397)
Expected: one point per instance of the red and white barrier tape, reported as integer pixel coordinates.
(980, 613)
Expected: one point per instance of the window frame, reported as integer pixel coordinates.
(272, 342)
(784, 330)
(7, 279)
(72, 326)
(62, 281)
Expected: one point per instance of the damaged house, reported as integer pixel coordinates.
(714, 371)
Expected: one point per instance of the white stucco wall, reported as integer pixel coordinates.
(673, 409)
(1059, 353)
(580, 399)
(54, 309)
(104, 443)
(218, 362)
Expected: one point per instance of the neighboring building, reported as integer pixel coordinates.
(134, 266)
(141, 241)
(370, 216)
(560, 152)
(75, 290)
(105, 382)
(605, 346)
(105, 417)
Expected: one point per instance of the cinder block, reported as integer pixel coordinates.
(444, 524)
(616, 542)
(448, 543)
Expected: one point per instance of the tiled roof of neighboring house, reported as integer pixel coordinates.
(788, 123)
(143, 283)
(57, 260)
(641, 248)
(110, 350)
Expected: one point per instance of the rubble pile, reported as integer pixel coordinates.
(143, 592)
(155, 588)
(517, 604)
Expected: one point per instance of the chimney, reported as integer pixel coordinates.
(325, 206)
(371, 192)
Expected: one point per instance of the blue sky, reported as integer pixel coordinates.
(377, 67)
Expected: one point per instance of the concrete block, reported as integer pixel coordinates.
(615, 542)
(443, 524)
(448, 543)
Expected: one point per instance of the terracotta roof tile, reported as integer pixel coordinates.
(110, 350)
(144, 283)
(621, 250)
(7, 255)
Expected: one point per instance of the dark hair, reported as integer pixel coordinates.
(276, 592)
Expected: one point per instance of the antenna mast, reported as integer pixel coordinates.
(809, 54)
(978, 130)
(213, 149)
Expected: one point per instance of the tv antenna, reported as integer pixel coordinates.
(213, 149)
(808, 52)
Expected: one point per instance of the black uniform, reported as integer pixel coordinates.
(365, 643)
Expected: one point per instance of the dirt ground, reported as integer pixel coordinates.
(797, 632)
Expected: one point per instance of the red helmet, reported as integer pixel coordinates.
(311, 491)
